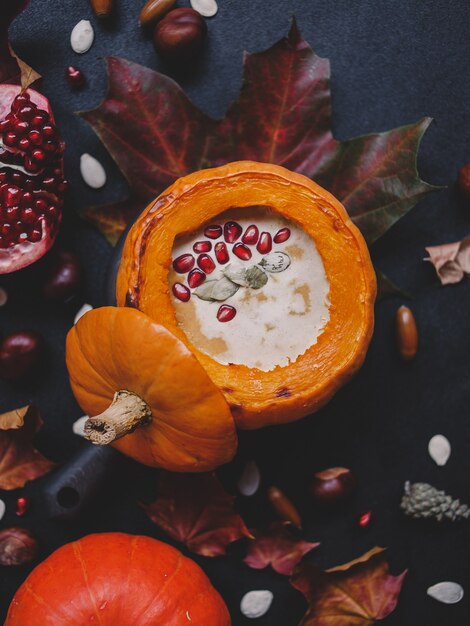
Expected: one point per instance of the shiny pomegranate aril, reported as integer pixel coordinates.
(48, 131)
(213, 232)
(12, 195)
(10, 139)
(5, 126)
(282, 235)
(242, 251)
(20, 127)
(35, 236)
(251, 235)
(28, 216)
(202, 246)
(38, 120)
(38, 155)
(27, 112)
(24, 144)
(35, 137)
(181, 292)
(232, 231)
(226, 313)
(41, 205)
(22, 505)
(75, 77)
(184, 263)
(196, 277)
(221, 253)
(265, 243)
(21, 99)
(206, 263)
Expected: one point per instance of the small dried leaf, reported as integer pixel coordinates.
(216, 290)
(19, 460)
(356, 594)
(447, 592)
(249, 481)
(28, 76)
(256, 603)
(17, 546)
(277, 547)
(439, 449)
(275, 262)
(195, 509)
(451, 260)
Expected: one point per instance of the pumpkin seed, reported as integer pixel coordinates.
(207, 8)
(84, 309)
(82, 36)
(78, 426)
(439, 449)
(256, 603)
(93, 173)
(275, 262)
(216, 290)
(2, 508)
(249, 481)
(447, 592)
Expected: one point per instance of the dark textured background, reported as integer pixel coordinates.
(392, 63)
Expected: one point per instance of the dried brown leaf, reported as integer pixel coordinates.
(451, 260)
(19, 459)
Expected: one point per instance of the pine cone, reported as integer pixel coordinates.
(423, 501)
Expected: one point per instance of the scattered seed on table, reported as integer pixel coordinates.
(93, 173)
(82, 37)
(248, 483)
(447, 592)
(84, 309)
(256, 603)
(439, 449)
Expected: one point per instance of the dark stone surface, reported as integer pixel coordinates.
(392, 63)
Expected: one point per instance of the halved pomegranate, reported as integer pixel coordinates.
(32, 184)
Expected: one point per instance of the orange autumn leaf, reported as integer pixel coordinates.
(19, 459)
(358, 593)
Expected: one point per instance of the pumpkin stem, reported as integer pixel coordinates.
(125, 413)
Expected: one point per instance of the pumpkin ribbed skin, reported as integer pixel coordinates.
(115, 579)
(258, 398)
(112, 349)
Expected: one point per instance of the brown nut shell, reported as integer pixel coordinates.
(406, 333)
(102, 8)
(332, 485)
(180, 35)
(463, 181)
(283, 507)
(154, 10)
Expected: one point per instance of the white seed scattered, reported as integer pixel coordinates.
(439, 449)
(79, 426)
(92, 171)
(446, 591)
(81, 312)
(3, 296)
(250, 478)
(82, 37)
(2, 509)
(256, 603)
(207, 8)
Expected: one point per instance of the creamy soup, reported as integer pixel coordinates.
(261, 303)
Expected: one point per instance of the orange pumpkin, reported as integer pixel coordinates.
(149, 395)
(283, 394)
(115, 579)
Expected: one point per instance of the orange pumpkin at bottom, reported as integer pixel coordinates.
(115, 579)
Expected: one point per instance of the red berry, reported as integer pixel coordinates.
(206, 263)
(364, 519)
(232, 231)
(226, 313)
(196, 277)
(181, 292)
(265, 243)
(213, 232)
(221, 253)
(282, 235)
(251, 235)
(202, 246)
(184, 263)
(22, 505)
(242, 251)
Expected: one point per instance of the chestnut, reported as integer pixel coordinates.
(463, 181)
(63, 276)
(332, 485)
(19, 354)
(179, 36)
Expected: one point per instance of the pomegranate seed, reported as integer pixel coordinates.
(39, 155)
(242, 251)
(35, 137)
(41, 205)
(183, 263)
(232, 231)
(27, 199)
(21, 127)
(13, 213)
(49, 183)
(12, 195)
(27, 112)
(75, 77)
(35, 235)
(20, 100)
(226, 313)
(364, 519)
(265, 243)
(48, 131)
(24, 144)
(181, 292)
(5, 126)
(17, 178)
(28, 216)
(10, 139)
(282, 235)
(251, 235)
(31, 166)
(202, 246)
(221, 253)
(196, 278)
(22, 505)
(206, 263)
(38, 120)
(213, 232)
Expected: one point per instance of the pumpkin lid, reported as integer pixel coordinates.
(149, 395)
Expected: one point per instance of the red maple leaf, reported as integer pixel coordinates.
(283, 115)
(195, 510)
